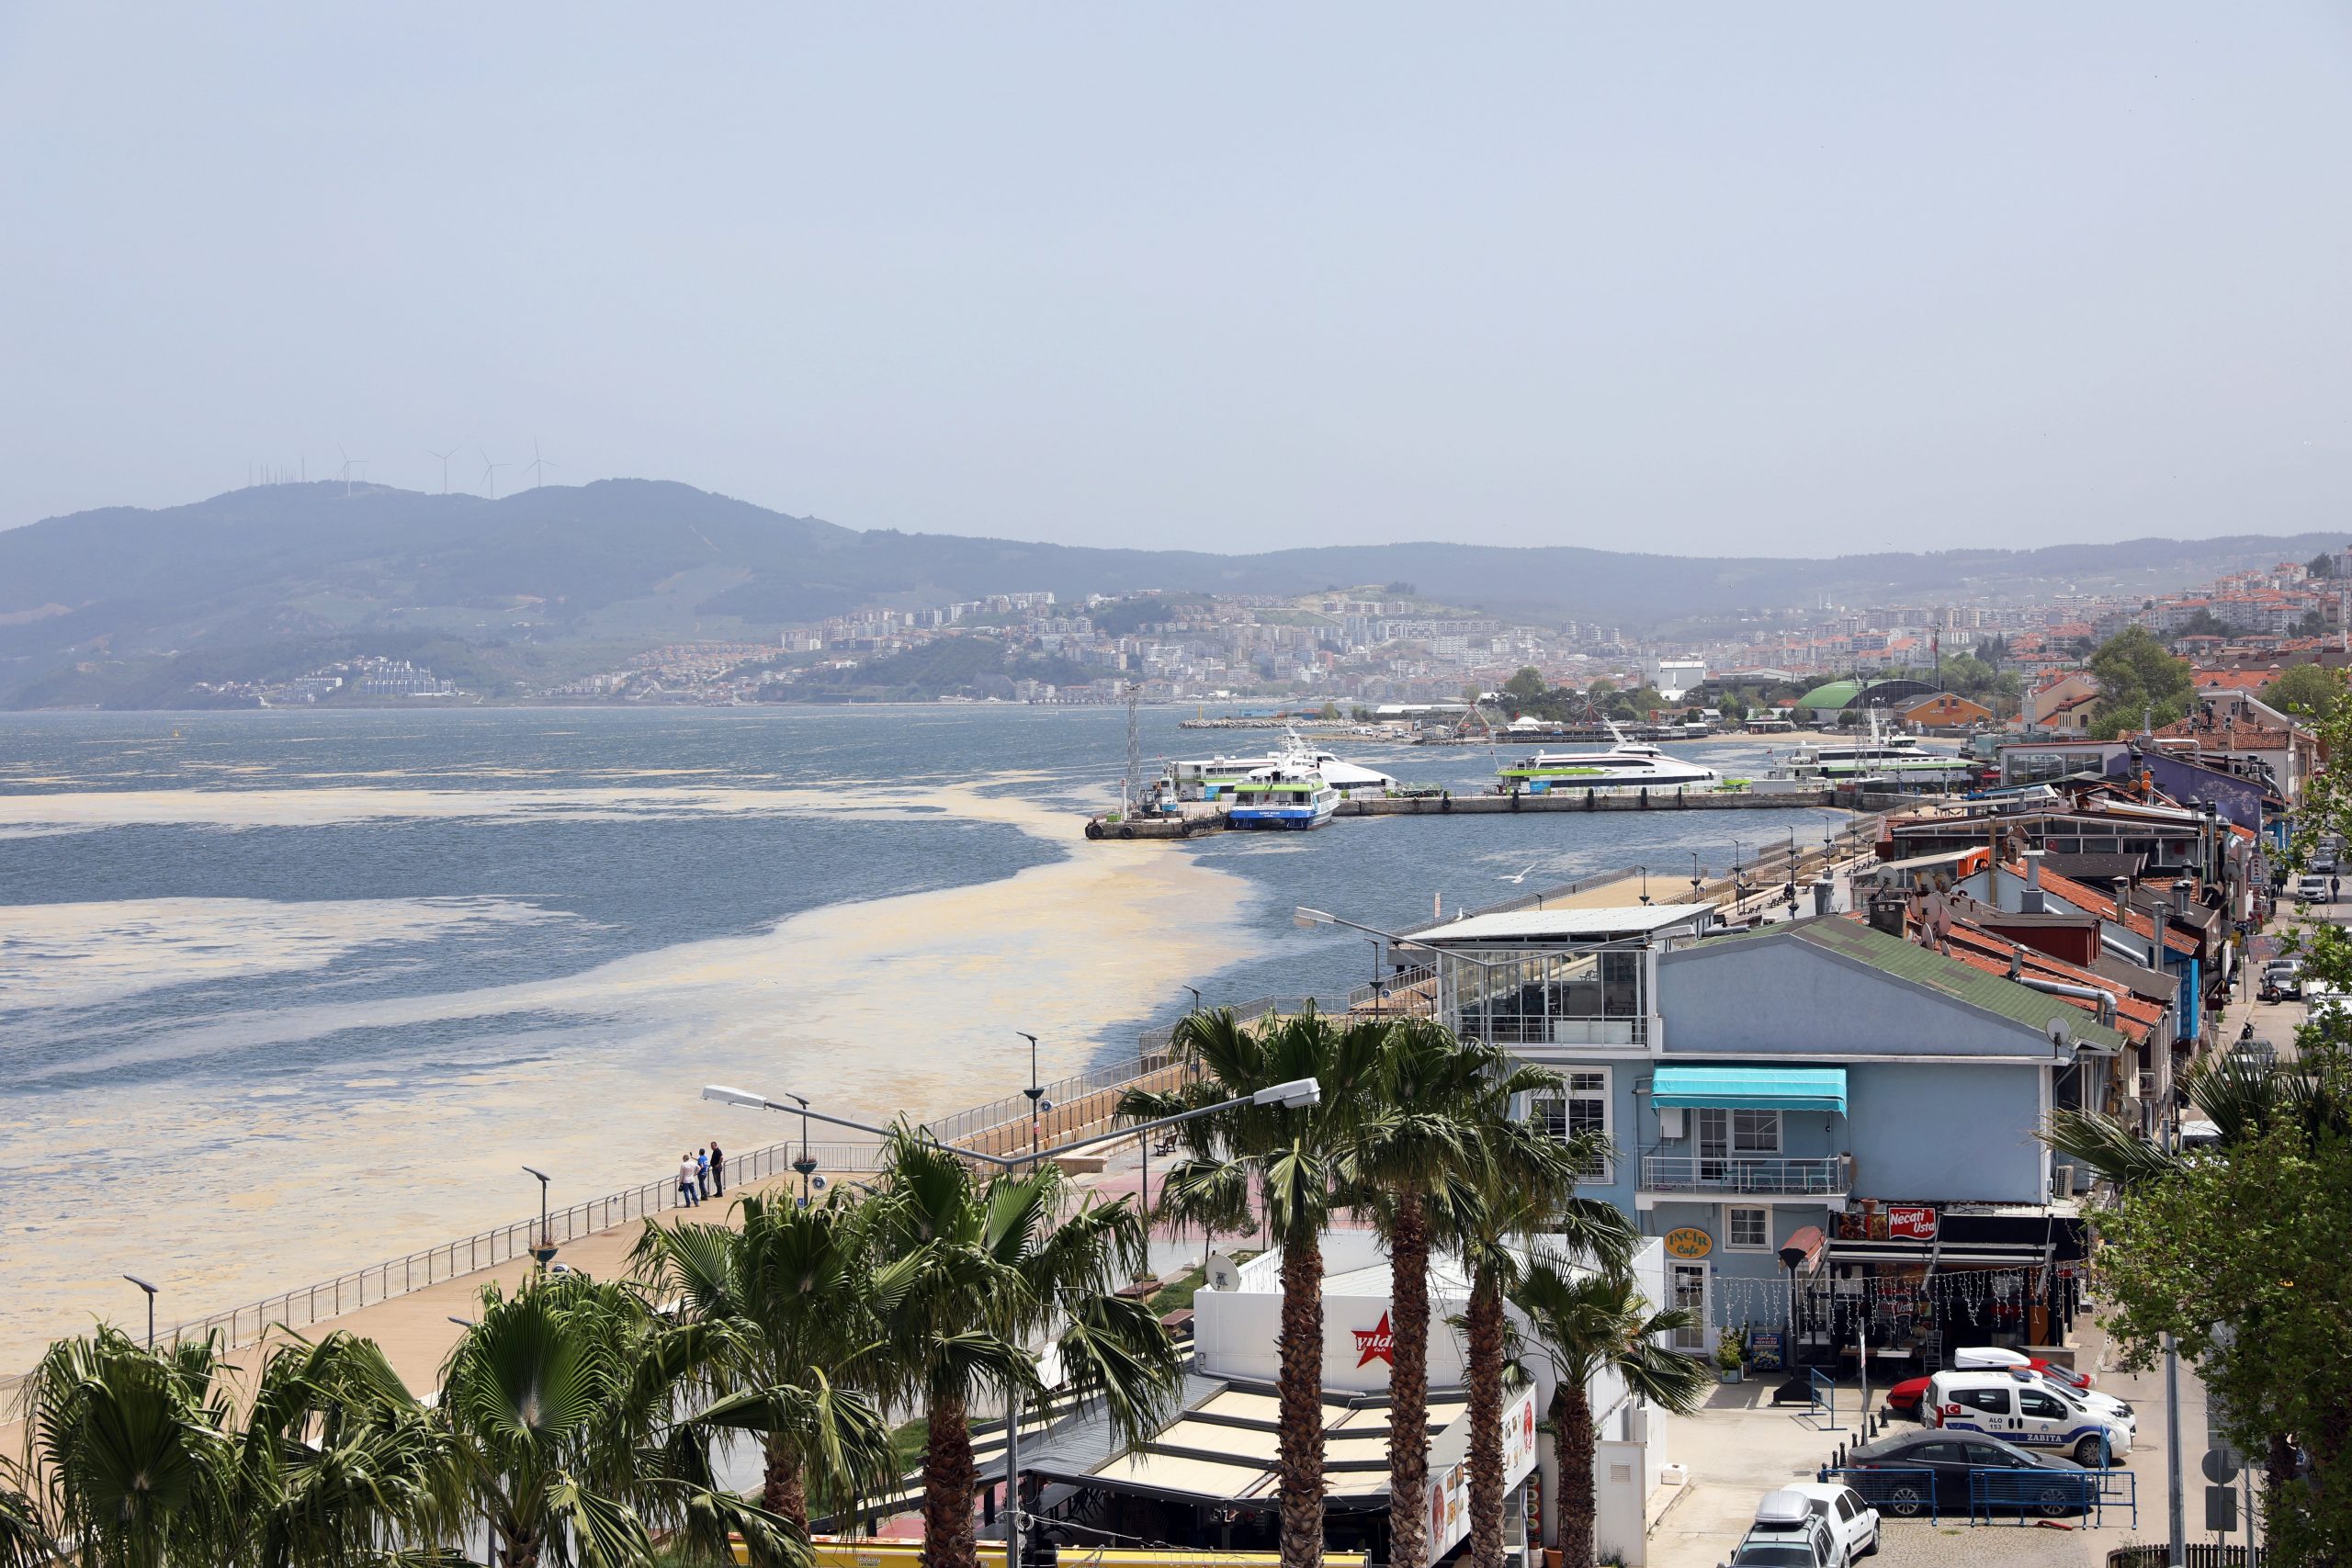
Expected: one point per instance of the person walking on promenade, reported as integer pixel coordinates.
(686, 1195)
(718, 1171)
(702, 1174)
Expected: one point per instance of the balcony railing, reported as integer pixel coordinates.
(1766, 1175)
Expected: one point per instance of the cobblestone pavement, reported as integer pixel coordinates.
(1911, 1541)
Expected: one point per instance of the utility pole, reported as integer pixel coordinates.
(1134, 767)
(2176, 1504)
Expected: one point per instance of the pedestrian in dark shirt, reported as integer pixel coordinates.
(702, 1173)
(717, 1172)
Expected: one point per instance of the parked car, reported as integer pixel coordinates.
(1853, 1523)
(2310, 889)
(2019, 1408)
(2282, 980)
(1788, 1534)
(1903, 1397)
(1946, 1458)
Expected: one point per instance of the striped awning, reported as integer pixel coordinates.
(1751, 1089)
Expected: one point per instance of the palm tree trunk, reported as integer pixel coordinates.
(782, 1490)
(1571, 1415)
(1408, 1384)
(949, 1481)
(1485, 1333)
(1300, 1438)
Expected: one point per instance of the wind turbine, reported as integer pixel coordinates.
(490, 473)
(349, 463)
(444, 458)
(538, 463)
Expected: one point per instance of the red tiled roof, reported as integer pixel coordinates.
(2081, 895)
(2135, 1019)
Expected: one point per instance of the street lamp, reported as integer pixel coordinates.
(1197, 996)
(1646, 881)
(544, 1251)
(1034, 1091)
(151, 1306)
(806, 1164)
(1694, 876)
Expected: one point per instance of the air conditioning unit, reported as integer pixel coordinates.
(2144, 1086)
(2061, 1181)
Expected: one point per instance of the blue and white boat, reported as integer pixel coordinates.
(1282, 796)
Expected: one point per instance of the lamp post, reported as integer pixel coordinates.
(1308, 918)
(1037, 1132)
(806, 1164)
(1197, 996)
(544, 1251)
(151, 1306)
(1646, 881)
(1694, 876)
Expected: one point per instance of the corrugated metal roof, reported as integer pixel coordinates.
(1924, 966)
(1751, 1089)
(1564, 925)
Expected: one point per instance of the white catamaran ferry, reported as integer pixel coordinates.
(1282, 796)
(1214, 778)
(1627, 765)
(1899, 760)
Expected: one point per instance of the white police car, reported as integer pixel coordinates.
(2019, 1407)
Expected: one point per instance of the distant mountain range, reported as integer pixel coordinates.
(124, 606)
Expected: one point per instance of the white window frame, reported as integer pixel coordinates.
(1732, 1245)
(1738, 1148)
(1605, 1174)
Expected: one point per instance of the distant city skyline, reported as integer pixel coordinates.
(1818, 280)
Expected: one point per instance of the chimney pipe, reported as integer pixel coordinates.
(1886, 913)
(2033, 904)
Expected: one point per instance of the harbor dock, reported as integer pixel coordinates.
(1205, 816)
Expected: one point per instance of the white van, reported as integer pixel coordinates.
(2020, 1407)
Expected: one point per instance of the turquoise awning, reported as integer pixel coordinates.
(1751, 1089)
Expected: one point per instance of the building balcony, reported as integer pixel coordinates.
(1759, 1176)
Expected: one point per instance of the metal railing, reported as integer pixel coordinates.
(1760, 1174)
(309, 1305)
(1014, 1108)
(2049, 1492)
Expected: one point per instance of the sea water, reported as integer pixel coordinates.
(283, 993)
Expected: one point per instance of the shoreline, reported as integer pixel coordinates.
(882, 1005)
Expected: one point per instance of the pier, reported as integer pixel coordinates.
(1205, 816)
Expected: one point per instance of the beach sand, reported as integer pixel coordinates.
(903, 1003)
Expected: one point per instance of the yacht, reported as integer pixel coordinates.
(1627, 765)
(1282, 796)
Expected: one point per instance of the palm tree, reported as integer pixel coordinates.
(967, 1274)
(126, 1455)
(337, 1461)
(1413, 1153)
(562, 1411)
(2243, 1098)
(1585, 1322)
(1524, 1187)
(791, 1291)
(1291, 1153)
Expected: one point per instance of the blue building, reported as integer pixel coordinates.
(1831, 1127)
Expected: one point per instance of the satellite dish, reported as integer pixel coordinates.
(1224, 1273)
(816, 1183)
(2056, 1029)
(1045, 1105)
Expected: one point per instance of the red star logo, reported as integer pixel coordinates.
(1376, 1344)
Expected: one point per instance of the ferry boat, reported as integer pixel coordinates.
(1213, 778)
(1628, 764)
(1282, 796)
(1893, 762)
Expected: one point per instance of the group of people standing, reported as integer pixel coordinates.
(702, 1173)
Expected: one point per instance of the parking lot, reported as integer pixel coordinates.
(1740, 1448)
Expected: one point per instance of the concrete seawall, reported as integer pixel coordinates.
(1489, 805)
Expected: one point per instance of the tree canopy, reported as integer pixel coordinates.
(2138, 680)
(2307, 690)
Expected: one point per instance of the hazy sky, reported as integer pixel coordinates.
(1773, 278)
